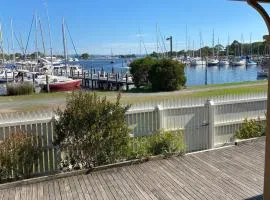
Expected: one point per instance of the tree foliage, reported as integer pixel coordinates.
(85, 56)
(140, 70)
(17, 156)
(236, 48)
(167, 75)
(91, 131)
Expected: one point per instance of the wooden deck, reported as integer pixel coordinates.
(227, 173)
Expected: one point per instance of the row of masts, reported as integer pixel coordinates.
(38, 29)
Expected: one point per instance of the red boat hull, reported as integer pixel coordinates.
(65, 86)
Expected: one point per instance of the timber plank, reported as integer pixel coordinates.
(154, 185)
(94, 186)
(62, 190)
(4, 194)
(73, 188)
(105, 185)
(89, 187)
(140, 184)
(57, 190)
(18, 193)
(78, 188)
(51, 190)
(159, 177)
(67, 188)
(123, 194)
(40, 191)
(83, 186)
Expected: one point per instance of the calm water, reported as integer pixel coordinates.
(195, 75)
(219, 75)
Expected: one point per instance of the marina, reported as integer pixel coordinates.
(104, 75)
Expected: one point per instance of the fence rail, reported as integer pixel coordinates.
(205, 123)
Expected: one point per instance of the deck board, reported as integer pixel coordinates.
(235, 172)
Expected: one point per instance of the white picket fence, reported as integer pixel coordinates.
(206, 123)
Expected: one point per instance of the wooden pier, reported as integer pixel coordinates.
(100, 80)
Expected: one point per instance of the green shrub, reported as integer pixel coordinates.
(138, 148)
(140, 70)
(159, 143)
(91, 131)
(251, 129)
(166, 142)
(17, 156)
(167, 75)
(14, 89)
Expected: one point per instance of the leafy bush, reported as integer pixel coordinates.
(166, 142)
(251, 129)
(91, 131)
(17, 156)
(14, 89)
(156, 144)
(167, 75)
(140, 70)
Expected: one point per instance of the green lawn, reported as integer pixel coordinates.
(53, 100)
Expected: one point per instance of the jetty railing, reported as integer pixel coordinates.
(206, 122)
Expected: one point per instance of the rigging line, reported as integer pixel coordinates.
(28, 38)
(18, 43)
(42, 37)
(71, 40)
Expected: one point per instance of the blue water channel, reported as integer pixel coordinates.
(198, 75)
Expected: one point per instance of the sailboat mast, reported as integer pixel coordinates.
(42, 37)
(193, 49)
(157, 36)
(140, 42)
(8, 57)
(218, 49)
(36, 36)
(242, 41)
(12, 40)
(250, 45)
(64, 41)
(228, 46)
(186, 39)
(213, 43)
(2, 42)
(49, 29)
(200, 44)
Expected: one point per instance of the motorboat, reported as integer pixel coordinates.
(224, 62)
(212, 62)
(251, 62)
(197, 61)
(239, 62)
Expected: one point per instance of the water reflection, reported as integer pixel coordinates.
(220, 74)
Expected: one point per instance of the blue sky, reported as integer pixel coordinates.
(97, 26)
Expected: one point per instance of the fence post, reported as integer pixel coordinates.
(159, 111)
(210, 105)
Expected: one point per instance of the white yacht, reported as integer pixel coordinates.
(251, 62)
(197, 61)
(212, 62)
(224, 62)
(7, 75)
(239, 62)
